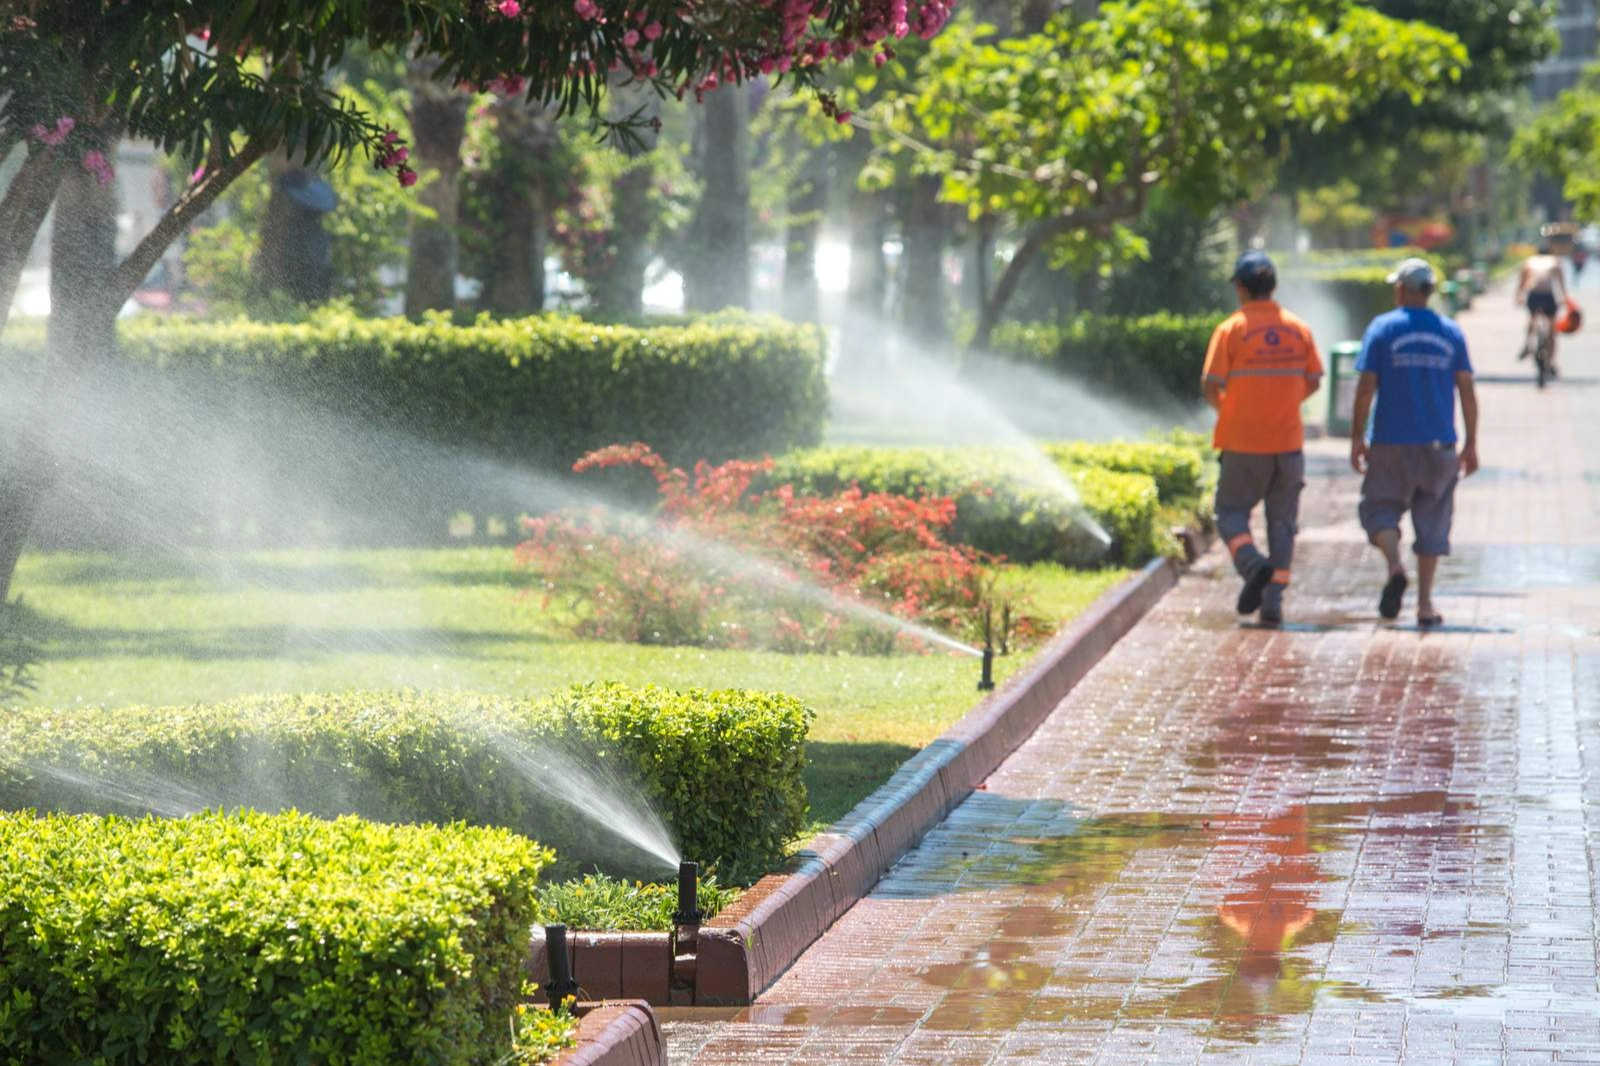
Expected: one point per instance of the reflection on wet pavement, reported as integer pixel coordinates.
(1340, 840)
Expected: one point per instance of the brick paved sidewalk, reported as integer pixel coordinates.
(1337, 842)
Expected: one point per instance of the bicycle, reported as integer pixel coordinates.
(1543, 348)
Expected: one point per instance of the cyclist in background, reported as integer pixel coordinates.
(1543, 288)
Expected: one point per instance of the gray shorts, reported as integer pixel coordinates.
(1419, 478)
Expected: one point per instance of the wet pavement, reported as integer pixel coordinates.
(1338, 842)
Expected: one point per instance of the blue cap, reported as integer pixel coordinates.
(1252, 266)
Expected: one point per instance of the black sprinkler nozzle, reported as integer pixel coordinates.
(986, 681)
(688, 912)
(561, 984)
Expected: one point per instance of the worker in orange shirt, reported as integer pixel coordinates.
(1260, 367)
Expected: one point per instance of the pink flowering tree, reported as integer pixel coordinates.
(224, 82)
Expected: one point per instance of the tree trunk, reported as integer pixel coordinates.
(995, 304)
(922, 307)
(983, 235)
(996, 13)
(1036, 14)
(22, 212)
(867, 287)
(808, 200)
(516, 281)
(295, 253)
(717, 273)
(617, 289)
(79, 370)
(438, 124)
(869, 273)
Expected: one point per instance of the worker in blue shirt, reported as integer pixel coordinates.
(1415, 361)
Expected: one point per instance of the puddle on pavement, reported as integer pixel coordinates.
(1259, 938)
(1514, 567)
(1324, 622)
(822, 1016)
(1446, 629)
(1069, 855)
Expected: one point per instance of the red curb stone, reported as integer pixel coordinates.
(609, 965)
(745, 948)
(597, 966)
(618, 1033)
(647, 966)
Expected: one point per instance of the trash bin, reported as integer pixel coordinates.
(1342, 379)
(1451, 295)
(1466, 289)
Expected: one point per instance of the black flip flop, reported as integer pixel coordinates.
(1430, 621)
(1254, 587)
(1393, 593)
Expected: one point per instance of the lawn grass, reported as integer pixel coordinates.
(204, 626)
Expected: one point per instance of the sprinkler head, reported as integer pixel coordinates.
(688, 912)
(561, 983)
(986, 681)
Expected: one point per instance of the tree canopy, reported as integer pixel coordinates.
(223, 82)
(1563, 141)
(1062, 134)
(1504, 40)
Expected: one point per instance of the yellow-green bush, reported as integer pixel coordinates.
(1008, 502)
(1178, 470)
(257, 938)
(722, 769)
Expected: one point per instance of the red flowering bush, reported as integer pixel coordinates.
(721, 565)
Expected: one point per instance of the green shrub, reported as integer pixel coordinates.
(1178, 471)
(542, 390)
(381, 414)
(1007, 502)
(600, 902)
(723, 769)
(259, 938)
(1152, 356)
(540, 1033)
(1342, 291)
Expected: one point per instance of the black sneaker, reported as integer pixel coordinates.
(1393, 593)
(1254, 586)
(1271, 614)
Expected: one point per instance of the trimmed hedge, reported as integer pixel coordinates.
(394, 425)
(1152, 356)
(1004, 503)
(260, 938)
(1179, 471)
(541, 390)
(723, 769)
(1340, 292)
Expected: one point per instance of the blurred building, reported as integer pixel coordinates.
(1578, 22)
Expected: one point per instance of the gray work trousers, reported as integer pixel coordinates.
(1248, 479)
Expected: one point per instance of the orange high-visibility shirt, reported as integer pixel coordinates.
(1262, 356)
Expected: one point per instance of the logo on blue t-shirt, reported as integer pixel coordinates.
(1416, 355)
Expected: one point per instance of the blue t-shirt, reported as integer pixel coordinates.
(1416, 354)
